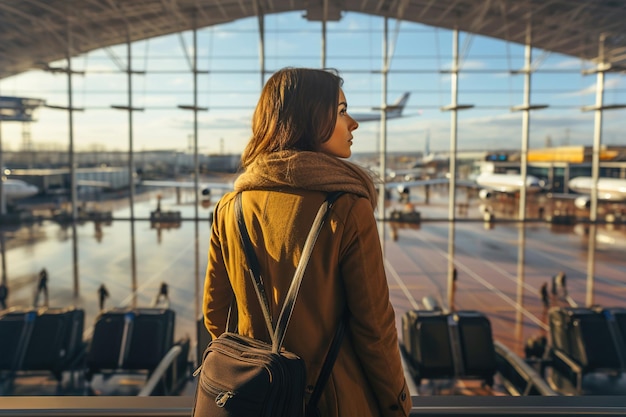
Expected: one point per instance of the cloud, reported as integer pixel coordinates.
(592, 88)
(569, 64)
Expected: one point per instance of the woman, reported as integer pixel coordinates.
(300, 130)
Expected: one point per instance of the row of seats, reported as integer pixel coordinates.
(124, 340)
(442, 345)
(41, 340)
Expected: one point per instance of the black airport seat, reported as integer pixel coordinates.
(56, 342)
(584, 335)
(477, 347)
(35, 340)
(449, 345)
(130, 340)
(16, 327)
(426, 340)
(585, 340)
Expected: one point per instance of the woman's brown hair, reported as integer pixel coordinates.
(297, 110)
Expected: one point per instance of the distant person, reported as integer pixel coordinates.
(98, 231)
(394, 231)
(554, 289)
(454, 279)
(103, 294)
(163, 295)
(545, 298)
(405, 195)
(4, 294)
(561, 283)
(158, 208)
(301, 137)
(42, 287)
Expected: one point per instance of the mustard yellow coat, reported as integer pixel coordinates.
(345, 272)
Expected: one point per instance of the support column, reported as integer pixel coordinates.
(130, 109)
(324, 19)
(72, 164)
(70, 112)
(195, 108)
(3, 202)
(525, 108)
(261, 19)
(453, 108)
(598, 108)
(196, 170)
(383, 137)
(131, 164)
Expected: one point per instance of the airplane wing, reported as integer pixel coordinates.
(486, 185)
(418, 183)
(206, 187)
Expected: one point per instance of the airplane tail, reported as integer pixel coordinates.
(395, 110)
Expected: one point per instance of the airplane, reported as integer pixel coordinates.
(487, 182)
(506, 183)
(17, 189)
(609, 189)
(393, 111)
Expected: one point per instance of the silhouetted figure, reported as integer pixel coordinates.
(545, 298)
(541, 212)
(454, 278)
(561, 284)
(42, 286)
(405, 195)
(163, 290)
(158, 208)
(4, 294)
(394, 231)
(535, 346)
(98, 231)
(103, 294)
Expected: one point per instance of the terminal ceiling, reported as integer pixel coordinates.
(34, 33)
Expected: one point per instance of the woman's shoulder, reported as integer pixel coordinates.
(225, 200)
(350, 203)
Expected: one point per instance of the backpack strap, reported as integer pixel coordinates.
(287, 308)
(278, 334)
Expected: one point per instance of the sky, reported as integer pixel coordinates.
(231, 86)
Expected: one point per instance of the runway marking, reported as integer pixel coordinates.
(401, 284)
(581, 267)
(410, 286)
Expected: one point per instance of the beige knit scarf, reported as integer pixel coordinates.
(309, 171)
